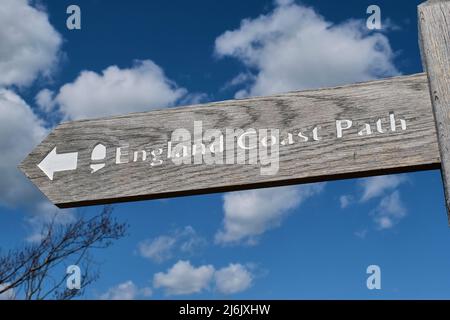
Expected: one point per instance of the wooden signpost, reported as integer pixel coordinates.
(378, 127)
(434, 35)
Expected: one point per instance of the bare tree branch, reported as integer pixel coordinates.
(31, 269)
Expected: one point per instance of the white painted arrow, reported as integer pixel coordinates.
(54, 162)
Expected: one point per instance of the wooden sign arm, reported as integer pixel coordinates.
(434, 40)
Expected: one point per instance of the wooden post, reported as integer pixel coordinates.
(434, 39)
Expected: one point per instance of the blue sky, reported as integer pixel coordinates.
(300, 242)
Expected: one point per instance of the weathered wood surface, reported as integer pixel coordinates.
(434, 32)
(301, 162)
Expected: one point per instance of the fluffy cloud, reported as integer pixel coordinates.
(158, 249)
(20, 131)
(162, 248)
(232, 279)
(345, 201)
(377, 186)
(384, 189)
(44, 213)
(29, 49)
(183, 278)
(294, 48)
(29, 44)
(249, 214)
(115, 91)
(125, 291)
(361, 233)
(44, 100)
(389, 211)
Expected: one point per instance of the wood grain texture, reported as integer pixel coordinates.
(301, 162)
(434, 31)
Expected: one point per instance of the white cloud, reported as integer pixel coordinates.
(30, 48)
(125, 291)
(158, 249)
(345, 201)
(361, 233)
(293, 48)
(248, 214)
(20, 131)
(115, 91)
(390, 211)
(240, 79)
(29, 44)
(44, 99)
(43, 214)
(390, 208)
(189, 241)
(183, 278)
(193, 98)
(232, 279)
(162, 248)
(377, 186)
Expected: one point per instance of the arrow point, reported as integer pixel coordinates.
(44, 164)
